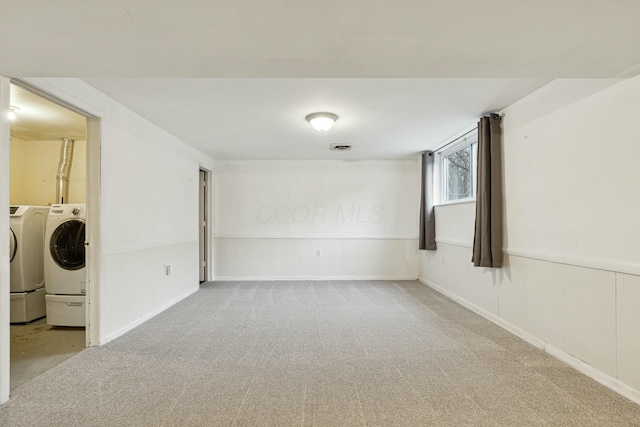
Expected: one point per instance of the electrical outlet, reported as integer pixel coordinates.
(167, 270)
(319, 253)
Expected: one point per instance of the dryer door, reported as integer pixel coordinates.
(67, 245)
(13, 245)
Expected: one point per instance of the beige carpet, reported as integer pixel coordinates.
(333, 353)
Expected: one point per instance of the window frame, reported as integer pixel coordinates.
(466, 141)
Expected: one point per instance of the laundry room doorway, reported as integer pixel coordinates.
(53, 193)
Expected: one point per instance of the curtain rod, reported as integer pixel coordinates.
(435, 150)
(456, 139)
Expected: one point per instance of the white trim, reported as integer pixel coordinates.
(210, 184)
(144, 246)
(486, 314)
(148, 316)
(36, 90)
(588, 370)
(93, 334)
(48, 87)
(5, 141)
(595, 374)
(314, 278)
(592, 263)
(440, 177)
(596, 264)
(312, 237)
(456, 202)
(94, 314)
(454, 242)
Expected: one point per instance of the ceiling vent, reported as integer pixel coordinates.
(340, 147)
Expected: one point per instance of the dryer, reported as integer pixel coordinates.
(26, 254)
(64, 265)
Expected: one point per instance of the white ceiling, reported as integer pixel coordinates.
(40, 120)
(235, 78)
(265, 118)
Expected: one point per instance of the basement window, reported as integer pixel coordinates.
(459, 169)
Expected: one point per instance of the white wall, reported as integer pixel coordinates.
(570, 281)
(148, 210)
(34, 167)
(274, 218)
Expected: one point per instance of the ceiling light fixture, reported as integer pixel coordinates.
(322, 122)
(12, 113)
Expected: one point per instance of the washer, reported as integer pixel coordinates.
(26, 252)
(64, 265)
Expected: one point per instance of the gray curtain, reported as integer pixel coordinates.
(427, 213)
(487, 242)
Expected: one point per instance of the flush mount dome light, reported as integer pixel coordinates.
(322, 122)
(12, 113)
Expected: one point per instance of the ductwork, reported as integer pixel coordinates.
(64, 169)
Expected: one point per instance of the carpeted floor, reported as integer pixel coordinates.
(334, 353)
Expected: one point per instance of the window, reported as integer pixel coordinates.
(458, 166)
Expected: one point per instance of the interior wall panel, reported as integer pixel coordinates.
(628, 321)
(148, 210)
(331, 219)
(298, 258)
(571, 279)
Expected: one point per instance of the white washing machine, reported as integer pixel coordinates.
(64, 265)
(26, 253)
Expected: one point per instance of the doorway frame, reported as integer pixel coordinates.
(5, 225)
(208, 215)
(93, 244)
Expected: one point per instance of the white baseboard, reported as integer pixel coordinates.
(318, 278)
(593, 373)
(315, 236)
(148, 316)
